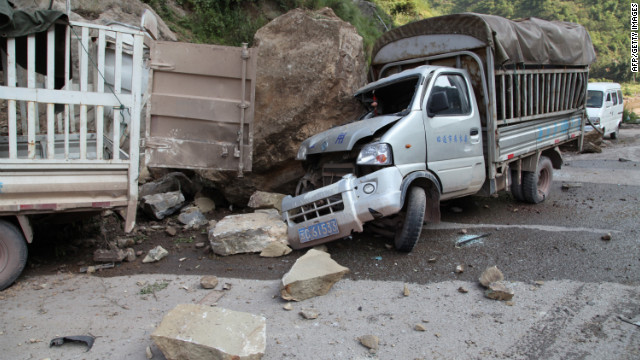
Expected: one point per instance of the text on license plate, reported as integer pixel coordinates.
(318, 231)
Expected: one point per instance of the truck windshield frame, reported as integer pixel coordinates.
(395, 97)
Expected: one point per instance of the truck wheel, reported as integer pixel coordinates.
(537, 185)
(13, 253)
(516, 189)
(412, 219)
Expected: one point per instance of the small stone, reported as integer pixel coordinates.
(200, 245)
(124, 243)
(204, 204)
(226, 286)
(499, 291)
(209, 282)
(192, 218)
(309, 314)
(463, 290)
(459, 269)
(491, 274)
(102, 255)
(510, 303)
(432, 260)
(313, 274)
(131, 255)
(406, 292)
(370, 341)
(171, 231)
(606, 237)
(156, 254)
(149, 353)
(139, 253)
(539, 282)
(419, 327)
(275, 249)
(463, 231)
(571, 185)
(288, 306)
(91, 269)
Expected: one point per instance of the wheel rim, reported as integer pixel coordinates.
(544, 182)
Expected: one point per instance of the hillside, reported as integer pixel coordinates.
(232, 22)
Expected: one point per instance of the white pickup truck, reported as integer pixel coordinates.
(463, 104)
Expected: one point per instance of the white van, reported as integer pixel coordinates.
(604, 107)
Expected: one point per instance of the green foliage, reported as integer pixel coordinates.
(629, 117)
(184, 240)
(630, 89)
(153, 288)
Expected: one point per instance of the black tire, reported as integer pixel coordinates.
(13, 253)
(516, 189)
(412, 219)
(614, 135)
(536, 186)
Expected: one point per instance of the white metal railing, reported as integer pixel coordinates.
(89, 120)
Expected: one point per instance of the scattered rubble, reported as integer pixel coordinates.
(156, 254)
(162, 205)
(419, 327)
(266, 200)
(275, 249)
(192, 218)
(571, 185)
(493, 279)
(103, 255)
(171, 231)
(463, 290)
(313, 274)
(245, 233)
(405, 291)
(288, 306)
(130, 255)
(171, 182)
(459, 269)
(194, 332)
(125, 242)
(209, 282)
(606, 237)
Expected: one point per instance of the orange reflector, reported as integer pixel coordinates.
(408, 146)
(382, 158)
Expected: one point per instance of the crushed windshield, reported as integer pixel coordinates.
(594, 99)
(392, 98)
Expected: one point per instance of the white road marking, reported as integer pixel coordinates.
(450, 225)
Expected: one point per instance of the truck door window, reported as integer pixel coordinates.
(620, 99)
(449, 96)
(615, 98)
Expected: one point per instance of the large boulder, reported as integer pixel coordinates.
(309, 65)
(246, 233)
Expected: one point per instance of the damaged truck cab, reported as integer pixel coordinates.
(452, 114)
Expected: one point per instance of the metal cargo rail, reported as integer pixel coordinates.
(75, 147)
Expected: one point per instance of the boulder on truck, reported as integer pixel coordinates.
(70, 140)
(463, 104)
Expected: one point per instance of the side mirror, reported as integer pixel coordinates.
(437, 103)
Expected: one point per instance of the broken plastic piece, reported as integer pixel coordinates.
(77, 338)
(469, 239)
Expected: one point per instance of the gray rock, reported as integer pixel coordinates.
(265, 200)
(171, 231)
(102, 255)
(161, 205)
(192, 218)
(131, 255)
(124, 243)
(156, 254)
(275, 249)
(209, 282)
(313, 274)
(499, 291)
(172, 182)
(198, 332)
(204, 204)
(490, 275)
(246, 233)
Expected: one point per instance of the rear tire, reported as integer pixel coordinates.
(516, 189)
(614, 135)
(13, 253)
(536, 186)
(412, 219)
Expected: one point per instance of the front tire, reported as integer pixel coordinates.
(536, 186)
(412, 219)
(13, 253)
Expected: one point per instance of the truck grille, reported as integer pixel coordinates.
(316, 209)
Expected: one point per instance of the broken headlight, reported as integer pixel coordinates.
(375, 154)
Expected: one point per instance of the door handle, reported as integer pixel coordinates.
(474, 132)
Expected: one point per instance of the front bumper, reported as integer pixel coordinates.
(346, 202)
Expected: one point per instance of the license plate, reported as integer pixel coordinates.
(318, 231)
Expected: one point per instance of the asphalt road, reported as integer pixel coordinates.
(571, 285)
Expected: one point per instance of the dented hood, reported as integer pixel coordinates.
(343, 138)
